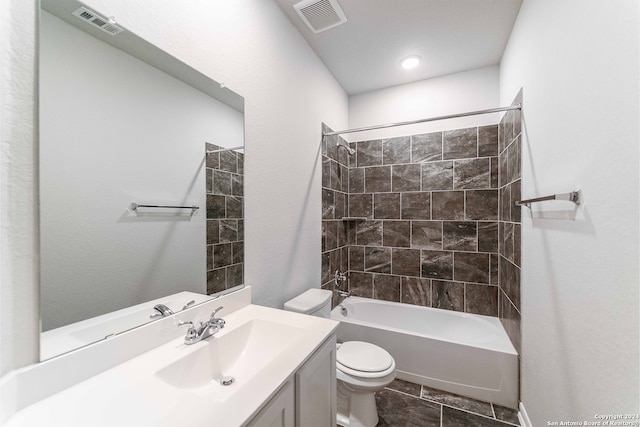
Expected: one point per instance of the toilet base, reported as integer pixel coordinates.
(356, 409)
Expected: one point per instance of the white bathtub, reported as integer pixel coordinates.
(466, 354)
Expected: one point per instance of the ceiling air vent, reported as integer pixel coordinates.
(320, 15)
(97, 21)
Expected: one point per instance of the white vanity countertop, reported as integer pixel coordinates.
(132, 393)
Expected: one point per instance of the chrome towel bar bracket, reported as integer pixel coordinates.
(134, 207)
(573, 196)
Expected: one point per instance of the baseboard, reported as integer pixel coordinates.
(523, 417)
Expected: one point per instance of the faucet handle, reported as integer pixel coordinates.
(218, 322)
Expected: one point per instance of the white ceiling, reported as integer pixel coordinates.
(450, 35)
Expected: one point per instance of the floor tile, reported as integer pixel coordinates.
(506, 414)
(455, 418)
(405, 387)
(460, 402)
(400, 410)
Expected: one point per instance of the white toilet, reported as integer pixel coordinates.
(362, 368)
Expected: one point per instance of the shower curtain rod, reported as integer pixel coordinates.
(430, 119)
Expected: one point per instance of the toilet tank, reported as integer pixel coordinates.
(314, 302)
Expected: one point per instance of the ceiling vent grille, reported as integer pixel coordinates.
(320, 15)
(97, 21)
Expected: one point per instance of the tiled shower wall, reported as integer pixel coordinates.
(422, 219)
(225, 219)
(510, 147)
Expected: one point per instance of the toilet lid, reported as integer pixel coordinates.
(363, 356)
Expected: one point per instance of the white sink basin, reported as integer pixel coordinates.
(239, 353)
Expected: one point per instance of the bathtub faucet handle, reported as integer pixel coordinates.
(339, 277)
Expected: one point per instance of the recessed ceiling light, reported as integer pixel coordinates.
(410, 62)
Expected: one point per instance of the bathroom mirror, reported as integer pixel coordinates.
(130, 202)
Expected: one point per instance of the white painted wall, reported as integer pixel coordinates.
(114, 130)
(251, 47)
(18, 192)
(455, 93)
(577, 61)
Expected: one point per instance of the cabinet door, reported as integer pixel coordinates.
(316, 388)
(278, 412)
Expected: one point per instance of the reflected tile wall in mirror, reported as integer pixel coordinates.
(225, 219)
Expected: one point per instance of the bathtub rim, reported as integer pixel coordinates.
(507, 346)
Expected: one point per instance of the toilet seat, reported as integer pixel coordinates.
(364, 360)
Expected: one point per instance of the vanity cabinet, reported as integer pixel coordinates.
(308, 398)
(279, 412)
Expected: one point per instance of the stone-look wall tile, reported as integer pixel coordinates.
(356, 258)
(471, 267)
(377, 179)
(460, 144)
(386, 206)
(335, 177)
(513, 162)
(416, 291)
(505, 203)
(240, 157)
(234, 207)
(481, 205)
(361, 284)
(493, 269)
(369, 153)
(344, 177)
(405, 177)
(228, 161)
(447, 295)
(460, 235)
(360, 205)
(488, 141)
(447, 205)
(237, 252)
(502, 170)
(415, 205)
(234, 276)
(437, 265)
(396, 234)
(216, 280)
(377, 259)
(213, 160)
(344, 259)
(426, 147)
(240, 229)
(481, 299)
(356, 180)
(510, 319)
(426, 235)
(517, 244)
(330, 146)
(216, 207)
(405, 262)
(213, 231)
(328, 204)
(507, 241)
(472, 173)
(495, 172)
(341, 204)
(369, 233)
(209, 181)
(237, 184)
(386, 287)
(221, 255)
(488, 237)
(437, 176)
(516, 211)
(326, 267)
(209, 257)
(221, 182)
(228, 231)
(510, 281)
(396, 150)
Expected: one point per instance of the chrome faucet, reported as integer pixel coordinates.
(161, 311)
(205, 330)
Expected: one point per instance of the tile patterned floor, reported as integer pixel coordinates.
(406, 404)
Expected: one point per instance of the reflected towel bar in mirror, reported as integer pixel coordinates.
(134, 207)
(573, 196)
